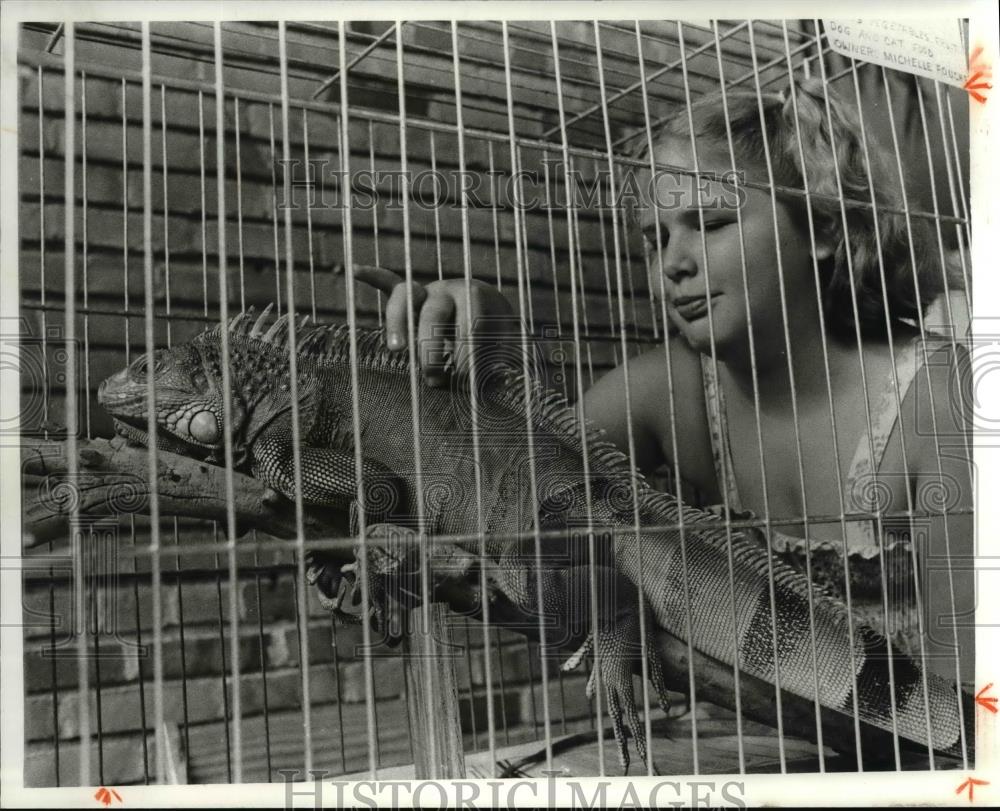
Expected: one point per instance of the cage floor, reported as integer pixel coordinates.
(718, 745)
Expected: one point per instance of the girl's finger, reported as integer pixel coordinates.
(381, 278)
(395, 312)
(437, 321)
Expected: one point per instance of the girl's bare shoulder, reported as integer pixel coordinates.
(667, 401)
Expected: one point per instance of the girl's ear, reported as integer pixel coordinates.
(824, 249)
(827, 240)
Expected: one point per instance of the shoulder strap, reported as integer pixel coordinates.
(718, 427)
(867, 460)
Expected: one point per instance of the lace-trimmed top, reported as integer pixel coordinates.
(860, 485)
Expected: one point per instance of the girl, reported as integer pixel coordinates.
(790, 306)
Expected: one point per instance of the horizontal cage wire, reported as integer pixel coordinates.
(174, 175)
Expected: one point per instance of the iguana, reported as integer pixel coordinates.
(727, 616)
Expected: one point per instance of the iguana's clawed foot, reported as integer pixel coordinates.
(389, 563)
(616, 649)
(390, 569)
(335, 586)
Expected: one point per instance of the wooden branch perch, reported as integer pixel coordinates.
(114, 479)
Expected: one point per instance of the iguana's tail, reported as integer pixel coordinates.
(730, 616)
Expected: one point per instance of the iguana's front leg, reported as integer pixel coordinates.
(328, 475)
(328, 479)
(569, 595)
(616, 647)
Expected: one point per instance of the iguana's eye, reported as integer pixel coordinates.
(139, 366)
(199, 381)
(204, 427)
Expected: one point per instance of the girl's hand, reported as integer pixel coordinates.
(443, 320)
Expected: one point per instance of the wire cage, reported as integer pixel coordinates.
(175, 174)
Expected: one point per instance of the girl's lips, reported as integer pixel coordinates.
(691, 308)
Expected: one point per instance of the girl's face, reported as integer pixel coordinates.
(700, 264)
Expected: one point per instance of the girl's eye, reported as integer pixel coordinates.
(715, 225)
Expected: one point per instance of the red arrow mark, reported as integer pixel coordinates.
(971, 782)
(989, 702)
(979, 72)
(103, 795)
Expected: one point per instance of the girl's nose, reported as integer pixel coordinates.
(677, 261)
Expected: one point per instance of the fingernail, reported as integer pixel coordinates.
(395, 341)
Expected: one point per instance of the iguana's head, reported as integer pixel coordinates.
(189, 384)
(189, 405)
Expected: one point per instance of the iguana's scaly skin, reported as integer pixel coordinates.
(721, 613)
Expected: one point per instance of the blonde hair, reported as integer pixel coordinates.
(829, 151)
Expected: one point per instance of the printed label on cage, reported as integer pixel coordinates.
(930, 48)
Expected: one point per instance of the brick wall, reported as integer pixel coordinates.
(197, 689)
(195, 630)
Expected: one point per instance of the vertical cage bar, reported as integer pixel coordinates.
(472, 685)
(555, 275)
(202, 188)
(72, 468)
(96, 592)
(437, 209)
(581, 313)
(520, 212)
(629, 428)
(274, 211)
(953, 167)
(300, 551)
(227, 406)
(375, 235)
(43, 283)
(415, 395)
(265, 698)
(933, 409)
(864, 378)
(800, 471)
(352, 326)
(502, 677)
(340, 703)
(128, 357)
(239, 201)
(895, 389)
(760, 439)
(961, 187)
(573, 238)
(606, 263)
(167, 298)
(474, 392)
(810, 222)
(154, 498)
(727, 472)
(936, 210)
(494, 212)
(310, 177)
(85, 252)
(43, 296)
(629, 278)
